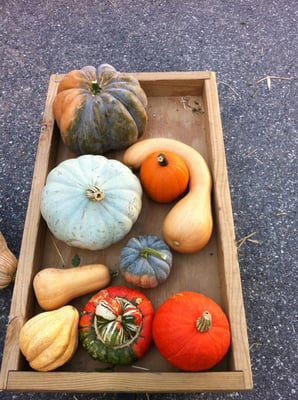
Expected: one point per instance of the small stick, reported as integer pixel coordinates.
(250, 153)
(246, 238)
(142, 368)
(230, 87)
(58, 251)
(269, 77)
(254, 344)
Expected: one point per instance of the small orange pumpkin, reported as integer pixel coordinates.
(191, 331)
(164, 176)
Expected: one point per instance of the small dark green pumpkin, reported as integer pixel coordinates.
(99, 109)
(146, 261)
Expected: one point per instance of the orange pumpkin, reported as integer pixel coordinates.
(191, 331)
(164, 176)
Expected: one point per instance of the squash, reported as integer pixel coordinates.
(99, 109)
(188, 226)
(50, 338)
(164, 176)
(116, 325)
(191, 331)
(91, 201)
(56, 287)
(8, 264)
(145, 261)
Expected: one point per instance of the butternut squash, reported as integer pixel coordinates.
(56, 287)
(188, 226)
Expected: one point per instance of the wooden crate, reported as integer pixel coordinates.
(184, 106)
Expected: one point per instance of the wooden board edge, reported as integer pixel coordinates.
(149, 382)
(231, 279)
(157, 84)
(29, 245)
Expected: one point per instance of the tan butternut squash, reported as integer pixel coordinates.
(55, 287)
(188, 226)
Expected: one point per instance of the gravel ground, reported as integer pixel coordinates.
(243, 42)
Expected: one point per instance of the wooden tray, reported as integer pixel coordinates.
(184, 106)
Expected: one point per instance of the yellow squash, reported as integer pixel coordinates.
(49, 339)
(8, 264)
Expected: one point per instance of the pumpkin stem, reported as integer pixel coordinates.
(162, 161)
(203, 323)
(95, 194)
(148, 250)
(95, 87)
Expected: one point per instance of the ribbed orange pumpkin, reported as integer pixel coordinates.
(164, 176)
(191, 331)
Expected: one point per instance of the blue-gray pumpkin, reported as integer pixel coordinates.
(146, 261)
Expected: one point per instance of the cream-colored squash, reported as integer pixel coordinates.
(91, 201)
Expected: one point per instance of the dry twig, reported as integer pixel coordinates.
(58, 251)
(269, 77)
(195, 107)
(250, 153)
(247, 238)
(139, 367)
(281, 214)
(230, 87)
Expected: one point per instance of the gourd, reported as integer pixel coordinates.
(49, 339)
(116, 325)
(8, 263)
(145, 261)
(56, 287)
(188, 226)
(91, 201)
(99, 109)
(191, 331)
(164, 176)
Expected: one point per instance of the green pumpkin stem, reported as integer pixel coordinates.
(162, 161)
(95, 87)
(148, 250)
(204, 323)
(94, 193)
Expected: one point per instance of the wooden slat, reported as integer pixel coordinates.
(126, 382)
(31, 247)
(161, 84)
(231, 280)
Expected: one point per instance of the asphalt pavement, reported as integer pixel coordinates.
(252, 47)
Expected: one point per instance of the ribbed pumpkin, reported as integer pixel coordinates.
(49, 339)
(91, 201)
(191, 331)
(146, 261)
(116, 325)
(8, 263)
(164, 176)
(99, 109)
